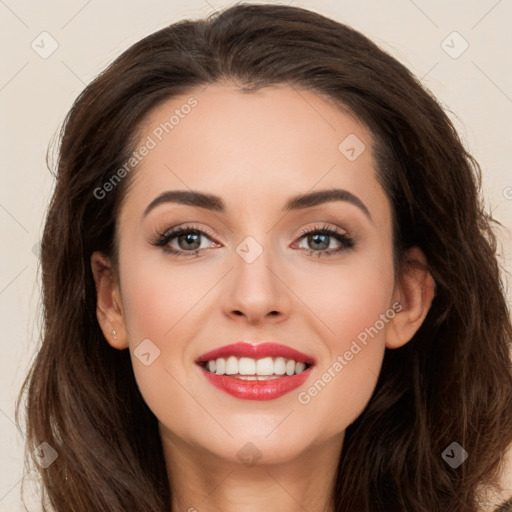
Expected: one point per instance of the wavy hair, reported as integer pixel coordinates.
(451, 382)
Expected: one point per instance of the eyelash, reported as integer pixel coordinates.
(347, 241)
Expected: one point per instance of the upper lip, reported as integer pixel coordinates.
(256, 351)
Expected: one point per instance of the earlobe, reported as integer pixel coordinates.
(109, 309)
(415, 293)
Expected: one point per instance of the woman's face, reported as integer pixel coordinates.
(256, 278)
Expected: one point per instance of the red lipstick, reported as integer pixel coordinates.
(273, 387)
(259, 351)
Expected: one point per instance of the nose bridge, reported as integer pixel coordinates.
(258, 245)
(255, 290)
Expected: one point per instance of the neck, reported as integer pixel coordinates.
(202, 481)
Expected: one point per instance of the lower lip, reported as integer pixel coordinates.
(257, 389)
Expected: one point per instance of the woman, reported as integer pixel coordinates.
(255, 369)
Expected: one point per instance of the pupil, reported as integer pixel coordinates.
(186, 237)
(315, 240)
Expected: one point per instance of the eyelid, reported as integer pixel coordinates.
(323, 226)
(306, 230)
(188, 226)
(343, 236)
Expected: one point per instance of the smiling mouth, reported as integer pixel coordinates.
(246, 368)
(255, 386)
(256, 372)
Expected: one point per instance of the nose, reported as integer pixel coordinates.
(256, 292)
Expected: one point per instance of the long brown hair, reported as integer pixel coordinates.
(451, 383)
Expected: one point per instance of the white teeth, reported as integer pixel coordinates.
(280, 366)
(231, 365)
(246, 368)
(300, 367)
(290, 367)
(220, 366)
(265, 366)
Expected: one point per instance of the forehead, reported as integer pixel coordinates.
(252, 146)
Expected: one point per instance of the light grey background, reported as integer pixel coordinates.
(37, 92)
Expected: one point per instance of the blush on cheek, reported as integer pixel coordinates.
(155, 298)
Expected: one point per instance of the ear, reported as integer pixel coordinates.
(109, 309)
(414, 292)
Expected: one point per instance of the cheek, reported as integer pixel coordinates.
(348, 299)
(341, 389)
(162, 304)
(158, 295)
(353, 306)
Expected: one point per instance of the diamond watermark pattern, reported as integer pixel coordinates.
(146, 352)
(455, 455)
(249, 249)
(454, 45)
(45, 455)
(249, 454)
(36, 249)
(44, 45)
(351, 147)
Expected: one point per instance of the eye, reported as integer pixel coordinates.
(320, 238)
(186, 241)
(187, 238)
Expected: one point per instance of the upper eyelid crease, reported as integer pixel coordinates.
(215, 203)
(346, 239)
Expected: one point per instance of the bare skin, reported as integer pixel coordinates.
(255, 151)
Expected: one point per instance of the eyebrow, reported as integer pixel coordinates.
(216, 204)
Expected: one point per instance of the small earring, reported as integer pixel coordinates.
(114, 334)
